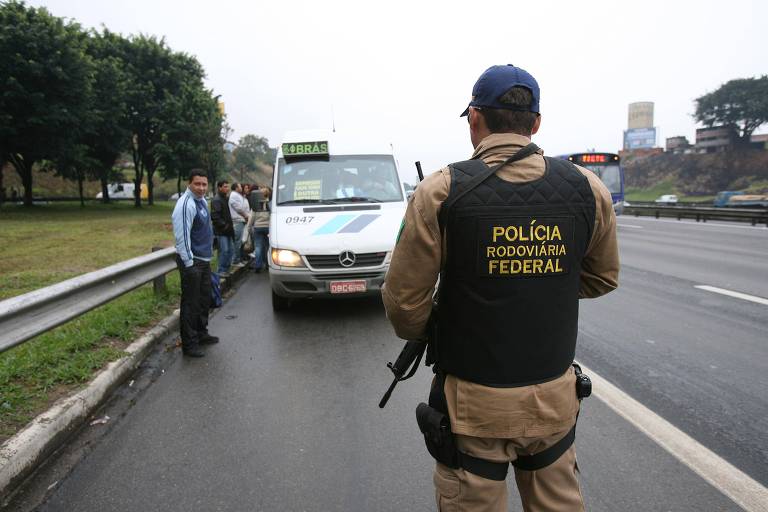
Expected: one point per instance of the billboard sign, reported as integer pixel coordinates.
(640, 138)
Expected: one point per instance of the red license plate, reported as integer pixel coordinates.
(347, 286)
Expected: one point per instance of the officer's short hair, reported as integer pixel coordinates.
(515, 121)
(197, 172)
(221, 183)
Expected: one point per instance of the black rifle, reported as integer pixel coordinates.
(411, 355)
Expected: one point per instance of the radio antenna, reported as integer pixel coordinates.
(333, 119)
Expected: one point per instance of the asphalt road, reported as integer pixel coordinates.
(282, 414)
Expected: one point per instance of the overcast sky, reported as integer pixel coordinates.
(403, 71)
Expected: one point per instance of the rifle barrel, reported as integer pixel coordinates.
(418, 170)
(386, 396)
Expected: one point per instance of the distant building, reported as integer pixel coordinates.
(678, 145)
(716, 139)
(759, 141)
(640, 132)
(640, 115)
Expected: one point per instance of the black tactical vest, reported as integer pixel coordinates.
(508, 299)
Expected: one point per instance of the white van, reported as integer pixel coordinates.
(337, 206)
(124, 191)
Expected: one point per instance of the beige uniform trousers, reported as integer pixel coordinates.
(554, 488)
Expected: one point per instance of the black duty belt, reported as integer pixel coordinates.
(435, 425)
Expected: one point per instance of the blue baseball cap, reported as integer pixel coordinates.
(495, 81)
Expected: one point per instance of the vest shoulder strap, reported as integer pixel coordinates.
(480, 172)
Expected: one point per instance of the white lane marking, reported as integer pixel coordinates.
(731, 293)
(628, 226)
(734, 483)
(689, 222)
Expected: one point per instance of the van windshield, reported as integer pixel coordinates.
(340, 179)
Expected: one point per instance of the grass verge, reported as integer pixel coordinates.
(47, 244)
(661, 188)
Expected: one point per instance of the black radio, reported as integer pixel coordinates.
(583, 383)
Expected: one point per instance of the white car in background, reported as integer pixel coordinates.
(667, 199)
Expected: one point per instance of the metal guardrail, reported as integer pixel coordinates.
(25, 316)
(700, 213)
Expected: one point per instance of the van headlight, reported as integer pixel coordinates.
(286, 258)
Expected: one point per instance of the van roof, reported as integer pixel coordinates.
(339, 143)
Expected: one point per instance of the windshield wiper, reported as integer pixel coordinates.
(305, 201)
(354, 199)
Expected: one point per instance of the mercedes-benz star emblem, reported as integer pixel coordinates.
(347, 258)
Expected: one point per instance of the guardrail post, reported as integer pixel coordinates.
(158, 283)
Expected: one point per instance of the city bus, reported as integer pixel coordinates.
(607, 167)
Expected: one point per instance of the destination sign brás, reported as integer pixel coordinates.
(317, 148)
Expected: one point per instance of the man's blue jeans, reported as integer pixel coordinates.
(226, 250)
(260, 245)
(239, 226)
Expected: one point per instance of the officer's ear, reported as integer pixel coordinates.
(536, 124)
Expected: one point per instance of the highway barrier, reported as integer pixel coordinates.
(25, 316)
(700, 213)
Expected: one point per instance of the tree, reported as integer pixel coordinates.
(107, 134)
(156, 76)
(742, 103)
(74, 164)
(250, 150)
(191, 129)
(45, 78)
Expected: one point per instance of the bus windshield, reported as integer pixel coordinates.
(609, 174)
(339, 179)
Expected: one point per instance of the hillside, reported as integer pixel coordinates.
(700, 175)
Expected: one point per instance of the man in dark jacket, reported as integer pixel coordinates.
(222, 226)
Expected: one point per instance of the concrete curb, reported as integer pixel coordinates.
(23, 453)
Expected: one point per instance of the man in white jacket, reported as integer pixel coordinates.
(238, 207)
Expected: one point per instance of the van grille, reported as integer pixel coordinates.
(349, 276)
(370, 259)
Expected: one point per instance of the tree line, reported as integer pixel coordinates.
(73, 101)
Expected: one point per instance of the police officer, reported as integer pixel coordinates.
(516, 239)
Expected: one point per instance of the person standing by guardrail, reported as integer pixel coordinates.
(239, 210)
(193, 233)
(222, 226)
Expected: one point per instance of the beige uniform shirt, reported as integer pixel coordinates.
(476, 410)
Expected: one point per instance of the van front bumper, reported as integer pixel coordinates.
(306, 283)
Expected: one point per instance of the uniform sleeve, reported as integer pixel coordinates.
(415, 266)
(182, 218)
(600, 266)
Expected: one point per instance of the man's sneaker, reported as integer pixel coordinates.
(193, 352)
(207, 339)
